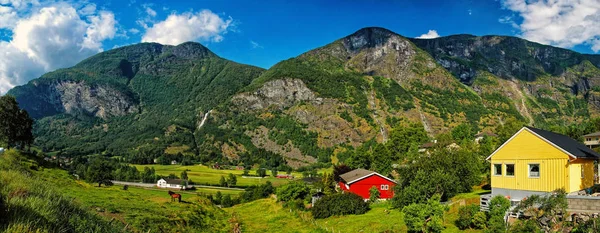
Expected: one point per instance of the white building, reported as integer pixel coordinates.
(1, 150)
(172, 183)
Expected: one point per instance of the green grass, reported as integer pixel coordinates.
(203, 175)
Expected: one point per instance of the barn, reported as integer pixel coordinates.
(359, 181)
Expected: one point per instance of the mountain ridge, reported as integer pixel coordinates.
(152, 99)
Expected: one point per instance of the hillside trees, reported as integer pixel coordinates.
(100, 171)
(15, 124)
(339, 204)
(425, 217)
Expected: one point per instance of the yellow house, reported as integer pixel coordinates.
(535, 161)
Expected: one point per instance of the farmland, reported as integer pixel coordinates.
(203, 175)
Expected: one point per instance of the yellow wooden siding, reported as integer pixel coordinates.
(553, 175)
(576, 181)
(555, 169)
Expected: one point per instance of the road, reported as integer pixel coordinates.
(152, 185)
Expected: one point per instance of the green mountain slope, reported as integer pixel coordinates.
(145, 94)
(146, 100)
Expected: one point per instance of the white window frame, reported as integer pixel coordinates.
(529, 170)
(506, 169)
(384, 187)
(495, 169)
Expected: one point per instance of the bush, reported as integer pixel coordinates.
(339, 204)
(373, 194)
(465, 216)
(292, 191)
(479, 220)
(427, 217)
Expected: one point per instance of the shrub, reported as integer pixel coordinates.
(498, 207)
(465, 216)
(427, 217)
(292, 191)
(339, 204)
(373, 194)
(479, 220)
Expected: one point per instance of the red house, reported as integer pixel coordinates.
(359, 181)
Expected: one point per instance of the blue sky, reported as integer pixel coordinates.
(38, 36)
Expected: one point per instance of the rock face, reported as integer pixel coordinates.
(281, 93)
(98, 101)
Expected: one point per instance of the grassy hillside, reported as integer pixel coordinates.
(38, 197)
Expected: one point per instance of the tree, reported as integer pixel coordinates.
(99, 171)
(498, 207)
(184, 175)
(15, 124)
(373, 194)
(223, 181)
(227, 202)
(381, 160)
(339, 204)
(426, 217)
(231, 180)
(274, 172)
(292, 191)
(509, 128)
(261, 172)
(218, 198)
(404, 135)
(463, 132)
(328, 183)
(339, 170)
(465, 216)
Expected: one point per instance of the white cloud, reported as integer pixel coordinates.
(88, 9)
(429, 35)
(178, 28)
(563, 23)
(149, 11)
(54, 36)
(8, 17)
(255, 45)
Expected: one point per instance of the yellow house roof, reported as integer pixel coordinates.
(567, 145)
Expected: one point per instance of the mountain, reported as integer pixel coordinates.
(130, 97)
(144, 100)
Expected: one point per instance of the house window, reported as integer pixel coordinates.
(385, 187)
(497, 169)
(588, 139)
(534, 170)
(510, 170)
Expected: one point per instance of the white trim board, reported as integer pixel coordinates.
(537, 135)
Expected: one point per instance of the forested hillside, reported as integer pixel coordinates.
(149, 101)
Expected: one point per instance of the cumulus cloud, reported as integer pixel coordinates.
(53, 36)
(563, 23)
(178, 28)
(429, 35)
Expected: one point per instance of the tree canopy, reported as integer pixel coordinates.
(15, 124)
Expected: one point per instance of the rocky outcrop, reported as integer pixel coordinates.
(280, 94)
(96, 100)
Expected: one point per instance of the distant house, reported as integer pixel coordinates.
(535, 161)
(480, 136)
(172, 183)
(174, 162)
(316, 197)
(426, 146)
(592, 140)
(285, 176)
(359, 181)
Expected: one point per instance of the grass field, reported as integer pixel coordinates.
(143, 209)
(266, 214)
(204, 175)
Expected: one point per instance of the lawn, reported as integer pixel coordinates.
(142, 209)
(204, 175)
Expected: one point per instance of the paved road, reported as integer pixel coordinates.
(152, 185)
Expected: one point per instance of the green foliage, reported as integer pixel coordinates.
(498, 207)
(184, 175)
(339, 170)
(382, 160)
(223, 181)
(449, 102)
(373, 194)
(231, 180)
(544, 210)
(339, 204)
(479, 220)
(463, 132)
(256, 192)
(425, 217)
(404, 136)
(466, 215)
(293, 191)
(30, 204)
(100, 171)
(396, 97)
(15, 124)
(261, 172)
(346, 116)
(445, 172)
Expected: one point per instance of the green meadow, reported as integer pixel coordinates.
(204, 175)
